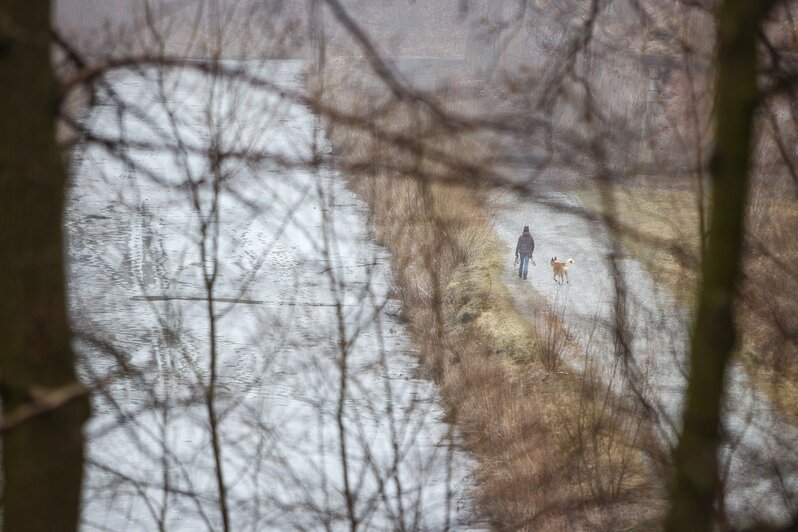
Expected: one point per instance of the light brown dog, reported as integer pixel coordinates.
(560, 269)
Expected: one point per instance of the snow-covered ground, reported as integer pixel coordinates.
(316, 381)
(761, 460)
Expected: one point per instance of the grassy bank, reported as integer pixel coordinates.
(556, 451)
(768, 310)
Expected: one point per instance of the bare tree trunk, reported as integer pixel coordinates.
(44, 407)
(695, 483)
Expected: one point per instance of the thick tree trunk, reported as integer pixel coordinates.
(43, 406)
(695, 484)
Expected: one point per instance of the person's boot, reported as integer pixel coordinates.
(524, 277)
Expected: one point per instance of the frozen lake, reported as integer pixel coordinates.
(215, 248)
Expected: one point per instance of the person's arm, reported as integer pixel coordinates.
(518, 246)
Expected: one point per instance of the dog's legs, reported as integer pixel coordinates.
(566, 276)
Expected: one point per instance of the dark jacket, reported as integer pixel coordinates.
(526, 244)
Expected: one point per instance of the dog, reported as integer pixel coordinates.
(560, 269)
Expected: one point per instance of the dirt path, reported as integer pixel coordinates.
(657, 343)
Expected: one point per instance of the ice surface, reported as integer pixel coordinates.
(299, 296)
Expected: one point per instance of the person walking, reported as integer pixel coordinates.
(523, 250)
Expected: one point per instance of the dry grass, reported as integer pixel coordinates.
(556, 450)
(657, 214)
(768, 310)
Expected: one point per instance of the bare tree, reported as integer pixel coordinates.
(44, 405)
